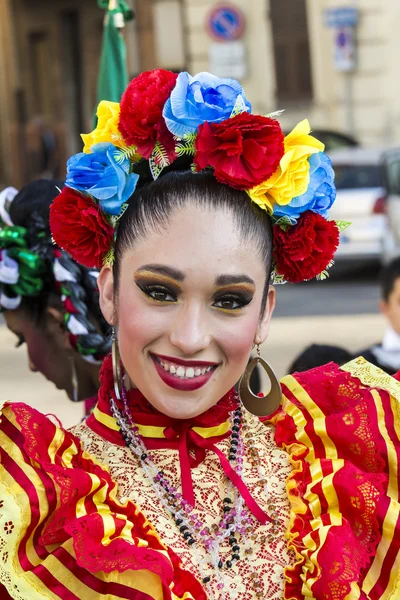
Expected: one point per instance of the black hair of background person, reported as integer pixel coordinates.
(317, 355)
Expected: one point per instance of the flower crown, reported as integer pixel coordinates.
(206, 121)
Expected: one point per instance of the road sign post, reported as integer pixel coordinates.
(227, 53)
(343, 21)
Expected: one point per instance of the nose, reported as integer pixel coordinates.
(32, 366)
(189, 332)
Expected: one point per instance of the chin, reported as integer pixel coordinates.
(181, 407)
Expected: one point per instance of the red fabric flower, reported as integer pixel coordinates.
(306, 249)
(141, 122)
(79, 227)
(244, 150)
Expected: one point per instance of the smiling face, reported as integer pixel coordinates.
(188, 309)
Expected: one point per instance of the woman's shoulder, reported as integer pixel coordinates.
(63, 531)
(341, 427)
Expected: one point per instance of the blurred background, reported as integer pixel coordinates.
(334, 62)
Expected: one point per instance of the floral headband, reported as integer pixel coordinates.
(164, 117)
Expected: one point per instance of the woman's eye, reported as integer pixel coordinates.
(231, 302)
(161, 294)
(21, 340)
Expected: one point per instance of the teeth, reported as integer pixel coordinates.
(183, 373)
(180, 372)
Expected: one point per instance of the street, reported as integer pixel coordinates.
(347, 291)
(341, 311)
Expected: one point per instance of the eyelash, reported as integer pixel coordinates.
(233, 298)
(160, 289)
(239, 300)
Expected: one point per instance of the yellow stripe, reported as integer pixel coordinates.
(80, 510)
(316, 413)
(142, 580)
(55, 443)
(392, 515)
(106, 420)
(335, 518)
(389, 525)
(153, 431)
(68, 455)
(157, 432)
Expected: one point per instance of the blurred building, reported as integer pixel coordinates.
(49, 56)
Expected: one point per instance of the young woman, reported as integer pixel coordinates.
(176, 486)
(48, 301)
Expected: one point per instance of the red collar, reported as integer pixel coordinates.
(190, 437)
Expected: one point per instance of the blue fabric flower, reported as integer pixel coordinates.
(103, 175)
(320, 194)
(201, 98)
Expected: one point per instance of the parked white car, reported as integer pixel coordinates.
(361, 199)
(391, 176)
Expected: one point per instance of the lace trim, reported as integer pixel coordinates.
(372, 376)
(328, 424)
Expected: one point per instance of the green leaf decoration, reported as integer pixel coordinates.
(185, 145)
(113, 219)
(276, 278)
(324, 274)
(193, 168)
(121, 154)
(282, 222)
(239, 107)
(158, 160)
(342, 225)
(276, 114)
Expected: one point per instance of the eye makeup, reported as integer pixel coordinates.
(162, 288)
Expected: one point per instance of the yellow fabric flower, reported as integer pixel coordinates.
(107, 128)
(292, 177)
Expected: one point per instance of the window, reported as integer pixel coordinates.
(291, 49)
(349, 177)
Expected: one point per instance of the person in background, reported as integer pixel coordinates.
(317, 355)
(49, 301)
(386, 355)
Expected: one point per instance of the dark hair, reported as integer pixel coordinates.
(153, 202)
(30, 209)
(317, 355)
(388, 277)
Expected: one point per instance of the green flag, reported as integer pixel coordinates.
(113, 74)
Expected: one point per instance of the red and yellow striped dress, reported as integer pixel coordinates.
(79, 521)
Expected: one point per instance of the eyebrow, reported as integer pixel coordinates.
(163, 270)
(221, 280)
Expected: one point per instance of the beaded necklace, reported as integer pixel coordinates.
(235, 520)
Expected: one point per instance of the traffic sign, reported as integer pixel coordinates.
(344, 16)
(345, 49)
(226, 23)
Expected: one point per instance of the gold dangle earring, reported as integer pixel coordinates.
(260, 406)
(116, 365)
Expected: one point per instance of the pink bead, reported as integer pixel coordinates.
(203, 532)
(220, 586)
